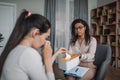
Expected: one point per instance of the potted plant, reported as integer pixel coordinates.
(1, 38)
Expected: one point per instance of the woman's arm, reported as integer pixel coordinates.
(47, 57)
(59, 51)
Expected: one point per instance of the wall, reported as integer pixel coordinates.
(103, 2)
(7, 20)
(91, 5)
(35, 6)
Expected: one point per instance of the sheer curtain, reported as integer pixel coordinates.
(64, 17)
(81, 9)
(50, 14)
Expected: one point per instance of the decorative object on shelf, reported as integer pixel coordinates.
(111, 20)
(110, 11)
(106, 31)
(114, 10)
(119, 42)
(101, 31)
(119, 63)
(94, 26)
(119, 30)
(103, 23)
(99, 12)
(105, 11)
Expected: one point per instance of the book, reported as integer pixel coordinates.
(77, 71)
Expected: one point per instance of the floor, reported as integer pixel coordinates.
(112, 73)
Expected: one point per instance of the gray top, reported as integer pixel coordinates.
(25, 63)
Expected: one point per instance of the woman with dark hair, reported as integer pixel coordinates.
(84, 45)
(20, 59)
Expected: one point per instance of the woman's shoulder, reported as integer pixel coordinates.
(29, 54)
(25, 50)
(93, 40)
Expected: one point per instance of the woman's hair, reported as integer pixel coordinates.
(25, 23)
(74, 37)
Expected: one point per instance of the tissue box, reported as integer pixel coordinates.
(68, 64)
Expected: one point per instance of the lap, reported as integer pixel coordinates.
(89, 75)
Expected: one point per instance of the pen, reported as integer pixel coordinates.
(76, 70)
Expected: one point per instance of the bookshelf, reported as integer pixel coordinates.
(105, 27)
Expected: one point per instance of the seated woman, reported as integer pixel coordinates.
(82, 43)
(20, 59)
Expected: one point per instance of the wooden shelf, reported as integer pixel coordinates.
(105, 25)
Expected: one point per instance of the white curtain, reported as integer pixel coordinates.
(81, 9)
(64, 17)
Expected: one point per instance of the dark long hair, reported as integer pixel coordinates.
(24, 24)
(74, 37)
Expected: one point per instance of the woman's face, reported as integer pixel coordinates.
(41, 39)
(79, 29)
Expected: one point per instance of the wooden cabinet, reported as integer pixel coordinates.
(105, 27)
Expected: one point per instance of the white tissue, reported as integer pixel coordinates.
(47, 41)
(67, 56)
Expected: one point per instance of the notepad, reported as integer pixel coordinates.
(77, 71)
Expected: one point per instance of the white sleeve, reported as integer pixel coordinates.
(71, 50)
(50, 76)
(32, 64)
(91, 52)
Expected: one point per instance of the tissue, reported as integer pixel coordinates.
(67, 56)
(48, 42)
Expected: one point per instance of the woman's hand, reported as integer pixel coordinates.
(47, 50)
(59, 51)
(47, 56)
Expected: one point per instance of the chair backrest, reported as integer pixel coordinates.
(102, 60)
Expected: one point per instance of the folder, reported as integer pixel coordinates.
(77, 71)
